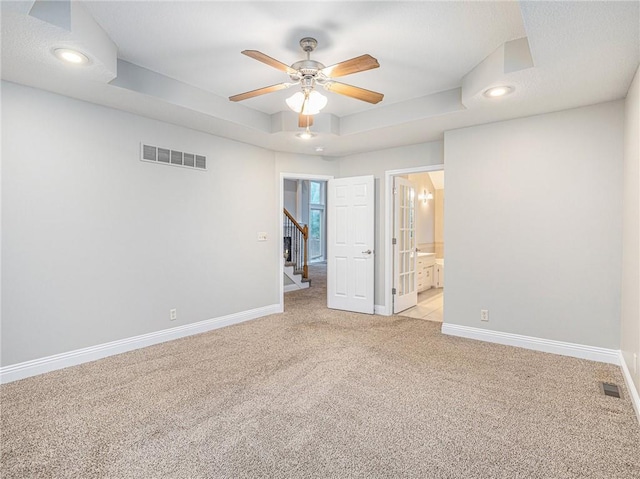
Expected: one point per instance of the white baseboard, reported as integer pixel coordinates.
(633, 392)
(611, 356)
(92, 353)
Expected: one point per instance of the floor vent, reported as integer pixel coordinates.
(167, 156)
(609, 389)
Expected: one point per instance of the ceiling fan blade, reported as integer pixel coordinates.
(354, 92)
(305, 120)
(355, 65)
(259, 91)
(272, 62)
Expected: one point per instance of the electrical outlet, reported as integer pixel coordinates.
(484, 315)
(262, 236)
(173, 314)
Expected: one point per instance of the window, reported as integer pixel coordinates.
(316, 220)
(315, 195)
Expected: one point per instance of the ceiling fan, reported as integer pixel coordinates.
(309, 73)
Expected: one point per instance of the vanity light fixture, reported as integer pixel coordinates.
(425, 195)
(73, 57)
(498, 91)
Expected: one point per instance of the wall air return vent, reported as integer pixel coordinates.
(176, 157)
(167, 156)
(163, 155)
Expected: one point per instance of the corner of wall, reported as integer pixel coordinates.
(630, 300)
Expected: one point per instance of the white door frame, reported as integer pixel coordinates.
(388, 228)
(288, 176)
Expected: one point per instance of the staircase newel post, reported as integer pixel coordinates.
(305, 268)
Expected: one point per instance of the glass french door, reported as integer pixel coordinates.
(405, 256)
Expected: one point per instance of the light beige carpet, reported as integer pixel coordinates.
(314, 393)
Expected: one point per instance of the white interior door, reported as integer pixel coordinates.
(350, 244)
(405, 279)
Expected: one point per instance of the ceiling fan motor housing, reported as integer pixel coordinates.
(306, 68)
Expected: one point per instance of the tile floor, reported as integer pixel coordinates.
(429, 306)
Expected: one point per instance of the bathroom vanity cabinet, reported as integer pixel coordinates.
(438, 275)
(425, 269)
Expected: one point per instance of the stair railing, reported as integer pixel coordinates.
(295, 244)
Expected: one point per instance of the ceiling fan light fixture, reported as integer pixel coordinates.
(295, 101)
(317, 101)
(314, 104)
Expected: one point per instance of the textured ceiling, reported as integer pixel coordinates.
(179, 61)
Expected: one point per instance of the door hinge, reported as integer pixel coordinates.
(394, 241)
(393, 290)
(395, 190)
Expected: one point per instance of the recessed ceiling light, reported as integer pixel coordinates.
(319, 149)
(305, 135)
(73, 57)
(498, 91)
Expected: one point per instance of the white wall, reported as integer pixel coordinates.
(377, 163)
(304, 202)
(439, 223)
(305, 164)
(533, 225)
(425, 212)
(630, 323)
(98, 245)
(290, 196)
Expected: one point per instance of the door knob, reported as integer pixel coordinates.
(367, 252)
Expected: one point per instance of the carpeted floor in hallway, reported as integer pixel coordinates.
(317, 393)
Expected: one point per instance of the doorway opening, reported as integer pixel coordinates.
(414, 256)
(303, 202)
